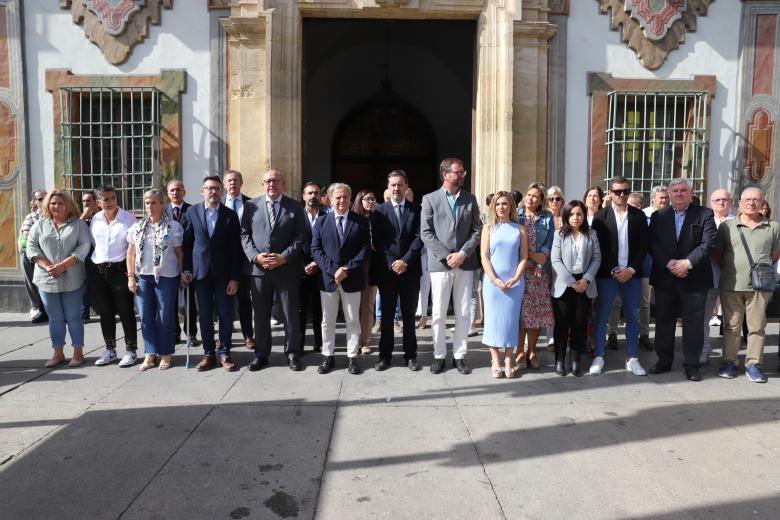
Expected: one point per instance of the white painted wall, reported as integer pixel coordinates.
(711, 50)
(52, 40)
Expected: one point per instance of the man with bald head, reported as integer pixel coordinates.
(274, 237)
(746, 240)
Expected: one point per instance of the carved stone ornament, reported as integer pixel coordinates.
(391, 3)
(116, 26)
(653, 28)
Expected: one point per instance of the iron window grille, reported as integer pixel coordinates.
(111, 136)
(654, 137)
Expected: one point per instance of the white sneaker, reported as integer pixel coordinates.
(109, 356)
(635, 368)
(715, 321)
(128, 359)
(275, 322)
(597, 366)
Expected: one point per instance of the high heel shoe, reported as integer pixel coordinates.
(575, 364)
(520, 361)
(495, 368)
(509, 369)
(560, 368)
(532, 362)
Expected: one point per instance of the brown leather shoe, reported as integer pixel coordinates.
(227, 363)
(207, 363)
(249, 343)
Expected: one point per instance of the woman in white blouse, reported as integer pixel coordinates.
(576, 257)
(154, 266)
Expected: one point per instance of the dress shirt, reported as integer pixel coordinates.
(649, 210)
(452, 200)
(236, 204)
(679, 218)
(398, 210)
(211, 219)
(577, 254)
(622, 227)
(180, 207)
(312, 218)
(110, 239)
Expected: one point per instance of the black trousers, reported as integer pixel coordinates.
(392, 288)
(264, 288)
(32, 289)
(192, 312)
(571, 312)
(245, 306)
(109, 296)
(669, 304)
(309, 300)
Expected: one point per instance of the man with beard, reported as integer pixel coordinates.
(309, 293)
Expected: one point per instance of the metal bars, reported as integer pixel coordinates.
(653, 137)
(111, 136)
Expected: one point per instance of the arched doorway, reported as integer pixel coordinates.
(381, 135)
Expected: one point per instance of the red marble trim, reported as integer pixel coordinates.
(764, 57)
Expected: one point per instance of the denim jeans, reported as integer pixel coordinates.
(64, 308)
(630, 293)
(157, 307)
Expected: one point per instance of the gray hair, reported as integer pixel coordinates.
(753, 188)
(660, 188)
(339, 186)
(680, 180)
(637, 197)
(554, 189)
(154, 192)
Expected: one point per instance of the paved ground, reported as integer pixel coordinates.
(117, 443)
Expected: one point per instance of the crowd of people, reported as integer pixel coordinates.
(529, 262)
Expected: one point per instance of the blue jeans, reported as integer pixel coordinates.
(630, 293)
(64, 308)
(157, 307)
(212, 293)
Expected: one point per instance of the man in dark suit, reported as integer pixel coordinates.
(273, 235)
(212, 260)
(309, 294)
(340, 245)
(234, 199)
(622, 232)
(682, 236)
(176, 210)
(396, 231)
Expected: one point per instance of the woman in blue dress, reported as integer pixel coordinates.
(504, 250)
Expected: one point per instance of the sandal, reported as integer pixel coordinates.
(165, 362)
(520, 360)
(532, 363)
(495, 368)
(509, 369)
(149, 362)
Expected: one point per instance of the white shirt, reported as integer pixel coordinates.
(649, 210)
(169, 264)
(110, 239)
(622, 227)
(239, 205)
(312, 219)
(577, 254)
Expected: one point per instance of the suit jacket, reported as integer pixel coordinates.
(442, 235)
(288, 236)
(350, 253)
(397, 243)
(221, 253)
(307, 256)
(605, 224)
(561, 257)
(697, 240)
(246, 265)
(182, 217)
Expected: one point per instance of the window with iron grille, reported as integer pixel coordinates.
(653, 137)
(111, 136)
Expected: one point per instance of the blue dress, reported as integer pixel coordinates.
(502, 308)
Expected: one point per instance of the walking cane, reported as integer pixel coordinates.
(187, 323)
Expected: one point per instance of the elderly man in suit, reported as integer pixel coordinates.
(622, 235)
(340, 245)
(682, 237)
(235, 200)
(449, 228)
(212, 260)
(396, 231)
(273, 234)
(309, 294)
(176, 210)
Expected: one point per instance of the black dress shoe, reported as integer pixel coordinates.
(437, 367)
(560, 368)
(40, 318)
(413, 365)
(382, 364)
(354, 367)
(692, 374)
(258, 363)
(327, 363)
(462, 367)
(659, 369)
(575, 365)
(294, 363)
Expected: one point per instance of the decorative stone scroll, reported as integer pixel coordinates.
(116, 26)
(654, 28)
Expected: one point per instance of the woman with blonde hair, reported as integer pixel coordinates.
(58, 244)
(504, 252)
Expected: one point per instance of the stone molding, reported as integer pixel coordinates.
(116, 42)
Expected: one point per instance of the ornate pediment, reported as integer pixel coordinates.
(653, 28)
(116, 26)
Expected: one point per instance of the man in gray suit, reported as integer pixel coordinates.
(449, 229)
(273, 235)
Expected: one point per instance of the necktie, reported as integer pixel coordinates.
(271, 213)
(176, 213)
(234, 205)
(340, 228)
(398, 214)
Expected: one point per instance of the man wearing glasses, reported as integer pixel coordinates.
(622, 232)
(274, 238)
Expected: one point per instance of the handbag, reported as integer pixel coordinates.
(762, 276)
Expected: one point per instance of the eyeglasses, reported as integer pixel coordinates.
(720, 200)
(369, 199)
(459, 173)
(271, 181)
(622, 192)
(212, 188)
(555, 199)
(753, 201)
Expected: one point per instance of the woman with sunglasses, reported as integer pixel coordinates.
(555, 202)
(365, 202)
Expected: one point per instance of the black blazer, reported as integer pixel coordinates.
(183, 217)
(392, 243)
(605, 224)
(697, 240)
(221, 253)
(351, 254)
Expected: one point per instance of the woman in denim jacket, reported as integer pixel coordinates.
(537, 304)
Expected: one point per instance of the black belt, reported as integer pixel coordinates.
(105, 266)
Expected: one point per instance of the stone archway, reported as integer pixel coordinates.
(509, 134)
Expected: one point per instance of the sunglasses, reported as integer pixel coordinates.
(622, 192)
(555, 199)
